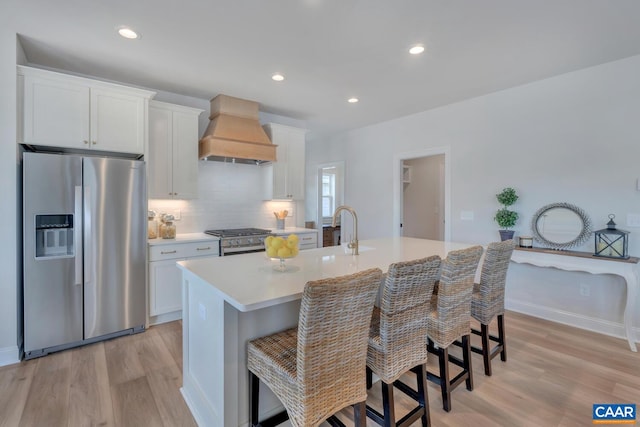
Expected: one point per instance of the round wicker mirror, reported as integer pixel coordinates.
(561, 226)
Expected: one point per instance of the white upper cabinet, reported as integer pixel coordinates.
(172, 158)
(285, 177)
(59, 110)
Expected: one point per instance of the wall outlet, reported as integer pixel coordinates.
(585, 290)
(466, 215)
(633, 220)
(202, 311)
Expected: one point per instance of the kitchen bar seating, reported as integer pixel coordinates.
(319, 367)
(397, 339)
(487, 301)
(449, 318)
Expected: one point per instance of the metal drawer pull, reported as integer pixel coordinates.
(307, 238)
(167, 252)
(204, 249)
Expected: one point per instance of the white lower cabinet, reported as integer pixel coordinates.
(165, 278)
(307, 238)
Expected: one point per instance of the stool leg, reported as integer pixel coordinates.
(466, 358)
(254, 391)
(502, 338)
(388, 405)
(445, 385)
(486, 349)
(369, 378)
(360, 414)
(423, 394)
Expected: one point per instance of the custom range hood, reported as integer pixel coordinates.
(234, 133)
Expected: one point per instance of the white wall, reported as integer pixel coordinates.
(8, 184)
(572, 138)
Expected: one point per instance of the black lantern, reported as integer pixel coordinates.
(611, 242)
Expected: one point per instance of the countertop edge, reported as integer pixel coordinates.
(183, 238)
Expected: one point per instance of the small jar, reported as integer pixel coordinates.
(168, 228)
(526, 242)
(152, 225)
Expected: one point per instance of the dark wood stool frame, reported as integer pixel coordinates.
(421, 396)
(448, 385)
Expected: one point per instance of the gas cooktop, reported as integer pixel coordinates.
(238, 232)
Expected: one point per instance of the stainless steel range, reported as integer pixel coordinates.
(240, 240)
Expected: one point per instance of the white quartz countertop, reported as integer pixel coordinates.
(183, 238)
(297, 230)
(249, 282)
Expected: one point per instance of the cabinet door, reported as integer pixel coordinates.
(165, 287)
(185, 155)
(295, 166)
(55, 113)
(117, 121)
(280, 190)
(159, 160)
(287, 173)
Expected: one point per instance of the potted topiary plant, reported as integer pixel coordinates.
(506, 218)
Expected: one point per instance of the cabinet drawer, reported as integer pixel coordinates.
(308, 241)
(183, 250)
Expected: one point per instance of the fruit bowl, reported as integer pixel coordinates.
(281, 248)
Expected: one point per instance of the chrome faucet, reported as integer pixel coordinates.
(353, 245)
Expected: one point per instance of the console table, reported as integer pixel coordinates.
(585, 261)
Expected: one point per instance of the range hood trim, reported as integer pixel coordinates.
(219, 149)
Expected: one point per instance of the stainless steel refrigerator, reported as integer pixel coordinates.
(84, 266)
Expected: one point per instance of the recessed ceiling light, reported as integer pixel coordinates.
(416, 50)
(278, 77)
(352, 100)
(127, 33)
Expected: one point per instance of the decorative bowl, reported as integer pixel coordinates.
(281, 248)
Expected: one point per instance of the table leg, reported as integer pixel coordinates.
(629, 310)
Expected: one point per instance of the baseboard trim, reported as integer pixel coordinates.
(9, 355)
(164, 318)
(593, 324)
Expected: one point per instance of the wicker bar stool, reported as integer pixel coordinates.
(449, 319)
(318, 368)
(487, 301)
(397, 339)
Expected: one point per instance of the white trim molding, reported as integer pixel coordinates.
(606, 327)
(9, 355)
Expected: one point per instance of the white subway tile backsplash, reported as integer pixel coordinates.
(230, 196)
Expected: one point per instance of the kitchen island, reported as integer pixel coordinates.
(230, 300)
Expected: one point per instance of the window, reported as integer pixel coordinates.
(328, 194)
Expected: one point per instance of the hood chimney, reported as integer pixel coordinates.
(235, 134)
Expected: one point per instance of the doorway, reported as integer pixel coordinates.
(330, 196)
(422, 194)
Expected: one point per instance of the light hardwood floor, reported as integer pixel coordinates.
(553, 375)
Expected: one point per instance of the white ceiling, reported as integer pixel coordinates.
(328, 50)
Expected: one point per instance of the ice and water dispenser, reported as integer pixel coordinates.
(54, 235)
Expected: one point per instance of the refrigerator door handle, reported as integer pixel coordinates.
(87, 232)
(77, 234)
